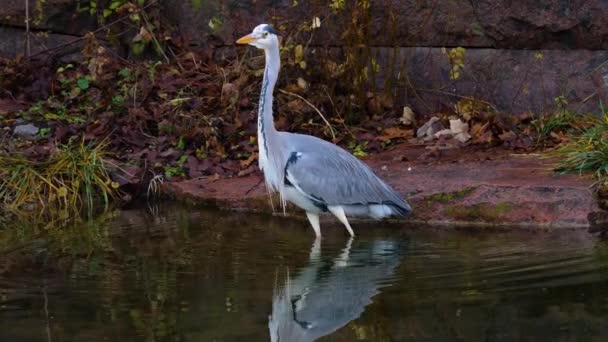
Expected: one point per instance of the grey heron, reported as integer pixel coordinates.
(327, 294)
(309, 172)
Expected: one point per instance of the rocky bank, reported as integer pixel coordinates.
(445, 187)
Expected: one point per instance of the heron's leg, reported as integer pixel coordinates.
(314, 222)
(338, 212)
(342, 259)
(315, 251)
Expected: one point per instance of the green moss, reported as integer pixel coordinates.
(445, 197)
(479, 212)
(503, 207)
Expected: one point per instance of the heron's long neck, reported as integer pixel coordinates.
(266, 128)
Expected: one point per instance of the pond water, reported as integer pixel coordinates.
(179, 274)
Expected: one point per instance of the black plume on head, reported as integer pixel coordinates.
(271, 29)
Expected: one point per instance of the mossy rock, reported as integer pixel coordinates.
(482, 212)
(446, 197)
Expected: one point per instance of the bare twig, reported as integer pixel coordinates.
(158, 46)
(47, 320)
(458, 96)
(338, 112)
(580, 105)
(27, 29)
(331, 129)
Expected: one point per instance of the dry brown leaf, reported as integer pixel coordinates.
(144, 35)
(247, 162)
(480, 133)
(559, 136)
(247, 171)
(296, 105)
(386, 100)
(507, 136)
(392, 133)
(230, 93)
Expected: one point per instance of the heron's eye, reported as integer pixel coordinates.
(265, 34)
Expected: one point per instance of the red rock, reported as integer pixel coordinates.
(456, 189)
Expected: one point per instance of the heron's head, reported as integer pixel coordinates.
(263, 37)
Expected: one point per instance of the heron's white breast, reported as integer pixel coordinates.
(294, 196)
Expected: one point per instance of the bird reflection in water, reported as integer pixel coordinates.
(329, 293)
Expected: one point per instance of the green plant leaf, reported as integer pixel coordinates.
(83, 84)
(125, 73)
(137, 48)
(117, 100)
(181, 144)
(115, 4)
(182, 160)
(197, 4)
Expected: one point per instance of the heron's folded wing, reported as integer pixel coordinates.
(335, 177)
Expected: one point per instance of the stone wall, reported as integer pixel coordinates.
(504, 24)
(504, 41)
(58, 25)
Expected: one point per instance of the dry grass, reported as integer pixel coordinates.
(74, 178)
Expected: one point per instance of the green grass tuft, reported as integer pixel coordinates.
(587, 151)
(74, 178)
(560, 123)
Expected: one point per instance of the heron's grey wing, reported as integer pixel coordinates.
(333, 176)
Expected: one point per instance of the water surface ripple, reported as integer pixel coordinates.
(177, 274)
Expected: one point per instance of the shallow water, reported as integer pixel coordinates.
(200, 275)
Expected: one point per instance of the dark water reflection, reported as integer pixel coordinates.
(197, 275)
(328, 294)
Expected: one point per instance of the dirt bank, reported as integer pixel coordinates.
(457, 187)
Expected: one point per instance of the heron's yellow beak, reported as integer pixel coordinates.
(246, 39)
